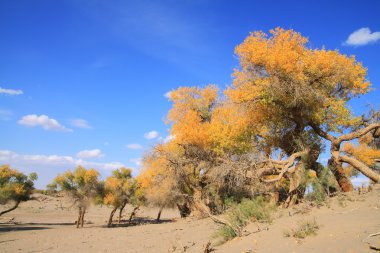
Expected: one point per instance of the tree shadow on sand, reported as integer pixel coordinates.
(12, 228)
(139, 221)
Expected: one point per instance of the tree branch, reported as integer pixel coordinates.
(322, 133)
(287, 164)
(358, 133)
(363, 168)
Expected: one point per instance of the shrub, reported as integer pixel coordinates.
(304, 229)
(241, 214)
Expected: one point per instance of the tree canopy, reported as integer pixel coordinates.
(15, 186)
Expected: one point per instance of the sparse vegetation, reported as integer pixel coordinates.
(303, 230)
(241, 214)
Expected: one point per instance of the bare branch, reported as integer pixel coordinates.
(358, 133)
(287, 164)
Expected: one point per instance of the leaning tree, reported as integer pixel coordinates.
(15, 187)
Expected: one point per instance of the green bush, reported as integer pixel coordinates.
(241, 214)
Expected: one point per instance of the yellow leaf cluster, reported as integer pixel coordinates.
(281, 71)
(362, 152)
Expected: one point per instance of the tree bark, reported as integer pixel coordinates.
(11, 209)
(336, 167)
(121, 210)
(111, 216)
(159, 213)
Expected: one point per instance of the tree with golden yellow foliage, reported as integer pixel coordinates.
(81, 185)
(14, 187)
(292, 87)
(118, 191)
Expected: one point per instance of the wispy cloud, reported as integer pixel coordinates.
(43, 121)
(171, 27)
(11, 92)
(151, 135)
(362, 37)
(136, 161)
(5, 114)
(93, 153)
(134, 146)
(80, 123)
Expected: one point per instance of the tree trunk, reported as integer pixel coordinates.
(184, 210)
(121, 210)
(82, 217)
(11, 209)
(111, 216)
(79, 217)
(336, 167)
(159, 213)
(133, 213)
(338, 171)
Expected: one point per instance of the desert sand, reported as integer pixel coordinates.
(47, 225)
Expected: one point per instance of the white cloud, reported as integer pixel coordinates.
(48, 166)
(360, 180)
(362, 37)
(134, 146)
(81, 123)
(10, 92)
(136, 161)
(44, 121)
(151, 135)
(169, 138)
(48, 161)
(93, 153)
(168, 94)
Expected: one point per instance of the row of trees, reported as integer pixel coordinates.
(82, 185)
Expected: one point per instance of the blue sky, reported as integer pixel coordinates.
(84, 81)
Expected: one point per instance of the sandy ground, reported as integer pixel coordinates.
(47, 226)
